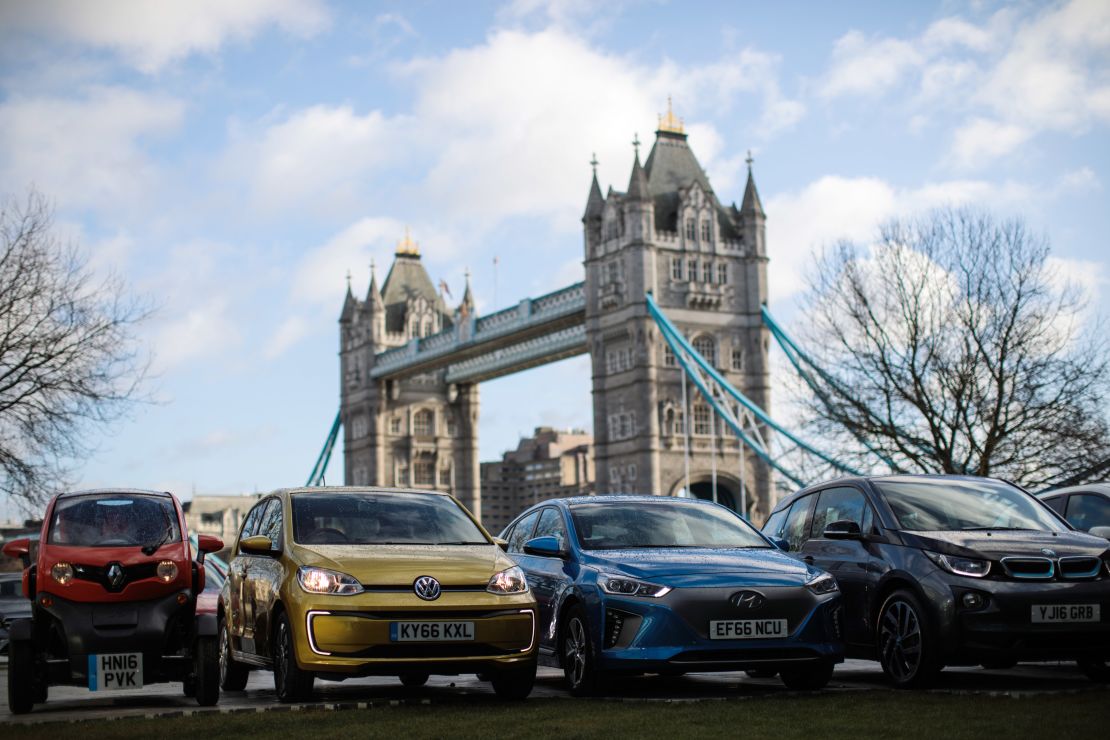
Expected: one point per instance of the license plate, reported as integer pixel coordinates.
(115, 671)
(747, 629)
(1066, 613)
(431, 631)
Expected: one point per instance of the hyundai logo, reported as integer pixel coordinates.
(747, 599)
(115, 575)
(426, 588)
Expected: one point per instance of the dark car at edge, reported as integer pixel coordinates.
(953, 570)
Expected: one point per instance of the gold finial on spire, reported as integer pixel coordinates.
(670, 122)
(407, 247)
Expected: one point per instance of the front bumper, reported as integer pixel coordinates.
(161, 629)
(350, 636)
(672, 633)
(1004, 627)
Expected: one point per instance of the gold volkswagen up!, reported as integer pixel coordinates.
(341, 582)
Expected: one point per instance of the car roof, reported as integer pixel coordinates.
(354, 489)
(1103, 488)
(98, 491)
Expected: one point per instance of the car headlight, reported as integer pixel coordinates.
(167, 570)
(323, 581)
(508, 581)
(62, 573)
(960, 566)
(622, 586)
(822, 583)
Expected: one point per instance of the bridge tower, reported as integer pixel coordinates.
(706, 265)
(418, 431)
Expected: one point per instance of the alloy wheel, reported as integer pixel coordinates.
(575, 651)
(225, 656)
(900, 640)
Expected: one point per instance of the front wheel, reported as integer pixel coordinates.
(291, 682)
(515, 684)
(206, 663)
(1096, 669)
(906, 642)
(21, 675)
(233, 675)
(808, 679)
(579, 659)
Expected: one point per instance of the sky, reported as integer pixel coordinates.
(233, 161)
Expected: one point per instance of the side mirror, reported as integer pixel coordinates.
(21, 549)
(259, 544)
(1103, 532)
(547, 547)
(780, 543)
(502, 543)
(206, 543)
(844, 529)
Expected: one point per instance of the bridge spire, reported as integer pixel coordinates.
(374, 295)
(407, 247)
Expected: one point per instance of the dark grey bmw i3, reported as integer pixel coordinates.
(953, 570)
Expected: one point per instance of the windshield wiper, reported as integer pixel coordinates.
(999, 529)
(152, 548)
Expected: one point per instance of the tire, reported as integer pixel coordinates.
(21, 677)
(413, 680)
(906, 642)
(233, 675)
(206, 661)
(1096, 669)
(762, 673)
(189, 686)
(515, 684)
(579, 657)
(42, 692)
(807, 679)
(291, 682)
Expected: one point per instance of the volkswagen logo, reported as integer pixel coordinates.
(426, 588)
(1048, 552)
(115, 575)
(747, 599)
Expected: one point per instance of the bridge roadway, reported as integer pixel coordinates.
(68, 704)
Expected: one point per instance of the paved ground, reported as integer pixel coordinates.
(72, 704)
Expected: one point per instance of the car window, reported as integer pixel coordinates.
(1056, 503)
(551, 525)
(840, 504)
(522, 532)
(250, 526)
(1086, 510)
(794, 532)
(270, 522)
(773, 526)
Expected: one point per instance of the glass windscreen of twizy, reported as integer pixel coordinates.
(381, 519)
(114, 520)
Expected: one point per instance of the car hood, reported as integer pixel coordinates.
(997, 543)
(400, 565)
(703, 566)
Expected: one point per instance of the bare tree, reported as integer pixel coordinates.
(69, 358)
(951, 345)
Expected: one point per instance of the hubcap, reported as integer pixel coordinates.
(900, 640)
(575, 657)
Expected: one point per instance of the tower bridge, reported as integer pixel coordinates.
(411, 365)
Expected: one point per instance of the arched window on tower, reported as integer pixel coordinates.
(690, 228)
(423, 423)
(427, 328)
(706, 346)
(706, 230)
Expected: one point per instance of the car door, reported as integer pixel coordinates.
(265, 574)
(1086, 510)
(546, 574)
(238, 609)
(854, 563)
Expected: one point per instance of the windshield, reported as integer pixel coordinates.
(617, 525)
(375, 518)
(114, 520)
(945, 505)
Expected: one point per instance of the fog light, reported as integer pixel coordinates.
(182, 598)
(973, 600)
(167, 570)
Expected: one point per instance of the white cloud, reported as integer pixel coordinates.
(863, 66)
(1082, 180)
(85, 151)
(982, 140)
(202, 330)
(291, 331)
(318, 278)
(149, 35)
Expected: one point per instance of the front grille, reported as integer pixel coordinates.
(131, 573)
(700, 606)
(1079, 567)
(1029, 567)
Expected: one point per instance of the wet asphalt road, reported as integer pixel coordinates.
(75, 704)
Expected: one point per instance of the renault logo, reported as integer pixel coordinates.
(747, 599)
(426, 588)
(115, 575)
